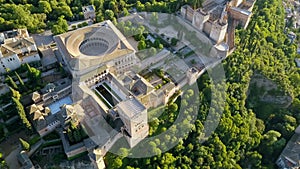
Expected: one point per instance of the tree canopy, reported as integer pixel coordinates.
(39, 15)
(25, 145)
(61, 26)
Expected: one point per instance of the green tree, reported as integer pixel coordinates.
(11, 82)
(253, 159)
(168, 160)
(19, 78)
(117, 163)
(20, 16)
(66, 11)
(156, 43)
(113, 6)
(142, 45)
(148, 6)
(129, 167)
(271, 137)
(123, 152)
(196, 3)
(5, 24)
(125, 12)
(160, 46)
(260, 125)
(109, 14)
(238, 140)
(3, 164)
(7, 70)
(34, 75)
(99, 17)
(25, 145)
(44, 7)
(140, 6)
(61, 26)
(173, 107)
(139, 37)
(174, 41)
(22, 114)
(15, 93)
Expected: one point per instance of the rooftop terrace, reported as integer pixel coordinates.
(14, 46)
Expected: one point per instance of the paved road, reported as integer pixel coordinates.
(11, 143)
(12, 160)
(46, 38)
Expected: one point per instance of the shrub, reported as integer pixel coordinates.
(25, 145)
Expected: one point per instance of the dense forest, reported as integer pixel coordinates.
(38, 15)
(251, 133)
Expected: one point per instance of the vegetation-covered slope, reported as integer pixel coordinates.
(249, 135)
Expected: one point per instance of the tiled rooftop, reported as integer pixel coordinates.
(131, 107)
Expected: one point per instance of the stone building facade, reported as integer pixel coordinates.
(92, 47)
(218, 19)
(17, 47)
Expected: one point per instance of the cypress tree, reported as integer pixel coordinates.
(25, 145)
(20, 79)
(22, 114)
(11, 82)
(15, 93)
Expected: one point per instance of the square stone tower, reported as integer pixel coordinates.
(134, 116)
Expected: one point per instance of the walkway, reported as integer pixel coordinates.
(12, 160)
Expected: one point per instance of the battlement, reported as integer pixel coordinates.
(213, 18)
